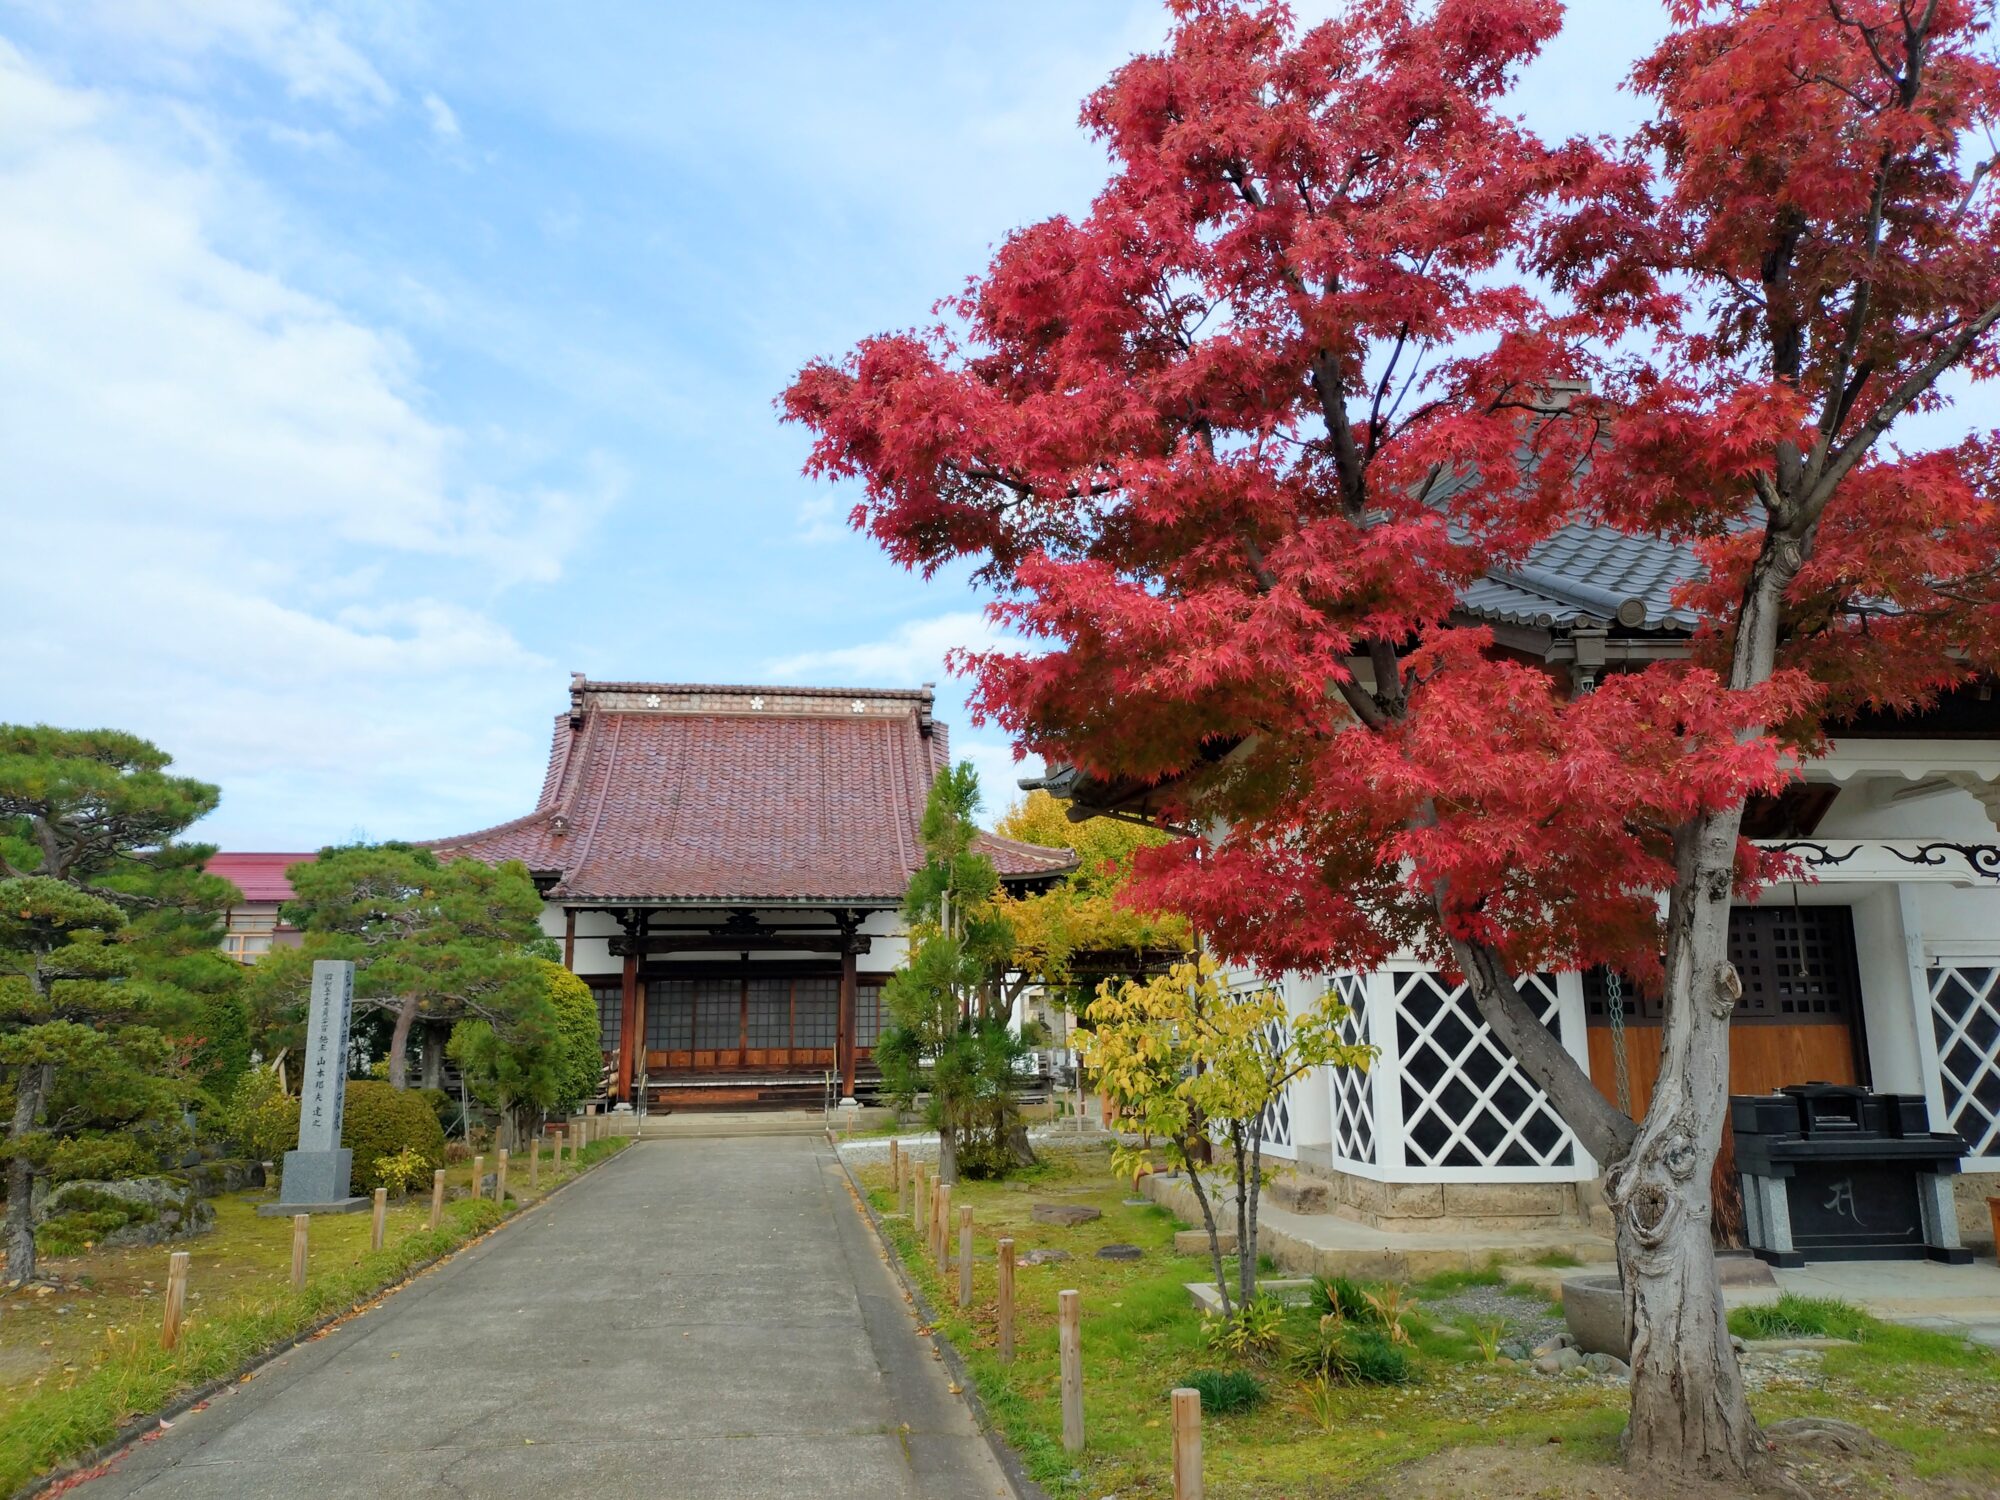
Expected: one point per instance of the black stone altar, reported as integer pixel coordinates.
(1835, 1172)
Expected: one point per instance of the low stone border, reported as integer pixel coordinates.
(138, 1427)
(1010, 1463)
(1292, 1291)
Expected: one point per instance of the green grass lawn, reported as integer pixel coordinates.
(1935, 1397)
(80, 1353)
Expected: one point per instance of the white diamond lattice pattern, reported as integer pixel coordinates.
(1465, 1101)
(1353, 1090)
(1278, 1115)
(1965, 1017)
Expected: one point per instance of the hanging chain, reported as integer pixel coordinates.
(1614, 1006)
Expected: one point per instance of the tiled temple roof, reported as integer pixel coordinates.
(677, 792)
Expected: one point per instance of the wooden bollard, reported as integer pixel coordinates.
(904, 1194)
(381, 1219)
(177, 1286)
(1069, 1343)
(1187, 1444)
(895, 1168)
(479, 1176)
(919, 1202)
(500, 1179)
(437, 1198)
(1004, 1254)
(965, 1256)
(301, 1227)
(942, 1229)
(534, 1162)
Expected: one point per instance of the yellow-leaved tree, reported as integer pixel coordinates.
(1191, 1061)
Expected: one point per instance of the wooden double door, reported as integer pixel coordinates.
(1799, 1021)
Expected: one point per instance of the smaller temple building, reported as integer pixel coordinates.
(253, 927)
(725, 867)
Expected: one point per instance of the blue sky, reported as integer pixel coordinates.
(367, 367)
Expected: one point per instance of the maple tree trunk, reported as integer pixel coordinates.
(1246, 1251)
(399, 1044)
(31, 1085)
(1253, 1188)
(1214, 1235)
(1689, 1412)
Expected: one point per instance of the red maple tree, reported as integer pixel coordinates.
(1339, 337)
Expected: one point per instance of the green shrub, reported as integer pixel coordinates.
(1225, 1391)
(445, 1106)
(260, 1119)
(1353, 1354)
(1343, 1298)
(88, 1216)
(381, 1122)
(1796, 1317)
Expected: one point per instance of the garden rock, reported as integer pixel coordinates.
(1607, 1364)
(211, 1179)
(1559, 1362)
(1064, 1215)
(1119, 1252)
(164, 1209)
(1043, 1257)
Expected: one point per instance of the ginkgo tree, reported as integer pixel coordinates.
(1189, 1059)
(1339, 336)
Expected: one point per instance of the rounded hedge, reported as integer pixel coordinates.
(380, 1122)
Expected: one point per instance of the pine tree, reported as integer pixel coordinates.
(108, 930)
(949, 1032)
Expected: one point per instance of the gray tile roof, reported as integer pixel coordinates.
(1589, 573)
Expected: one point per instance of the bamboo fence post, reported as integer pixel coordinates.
(301, 1227)
(534, 1162)
(500, 1179)
(1187, 1444)
(942, 1228)
(381, 1219)
(479, 1176)
(1004, 1252)
(177, 1285)
(1069, 1339)
(965, 1256)
(437, 1198)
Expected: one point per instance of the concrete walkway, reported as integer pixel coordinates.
(697, 1318)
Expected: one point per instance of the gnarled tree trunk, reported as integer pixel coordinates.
(1689, 1412)
(31, 1087)
(399, 1043)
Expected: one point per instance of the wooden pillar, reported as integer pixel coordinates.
(437, 1197)
(177, 1286)
(500, 1179)
(301, 1227)
(1004, 1256)
(627, 1014)
(569, 938)
(478, 1177)
(965, 1255)
(534, 1161)
(1069, 1344)
(1187, 1444)
(381, 1219)
(941, 1228)
(844, 1052)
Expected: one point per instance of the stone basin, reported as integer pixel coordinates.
(1594, 1308)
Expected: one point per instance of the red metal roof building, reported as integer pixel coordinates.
(253, 927)
(719, 860)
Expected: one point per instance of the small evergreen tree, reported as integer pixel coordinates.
(948, 1032)
(535, 1049)
(104, 920)
(430, 940)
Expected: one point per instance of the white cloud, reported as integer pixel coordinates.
(912, 653)
(305, 46)
(444, 121)
(237, 527)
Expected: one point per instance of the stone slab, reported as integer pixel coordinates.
(1195, 1241)
(1064, 1215)
(331, 1206)
(1120, 1252)
(316, 1177)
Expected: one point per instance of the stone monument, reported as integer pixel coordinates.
(316, 1174)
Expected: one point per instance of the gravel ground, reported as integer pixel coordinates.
(1528, 1319)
